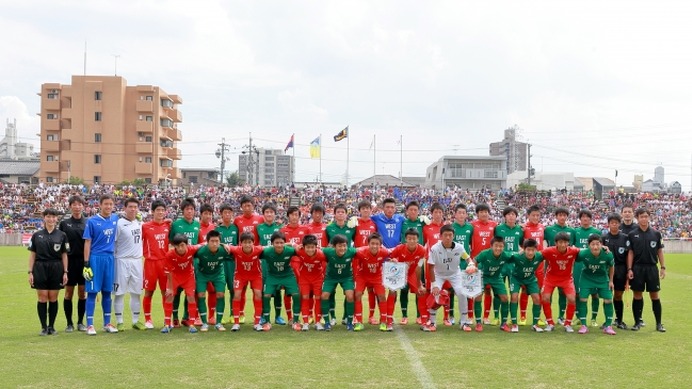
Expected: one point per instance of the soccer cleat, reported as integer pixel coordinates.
(297, 327)
(219, 327)
(332, 322)
(621, 325)
(120, 327)
(266, 326)
(660, 328)
(91, 330)
(241, 319)
(110, 328)
(515, 328)
(541, 322)
(139, 326)
(69, 328)
(358, 327)
(44, 332)
(582, 330)
(212, 321)
(479, 327)
(306, 327)
(280, 321)
(569, 329)
(193, 330)
(594, 323)
(486, 321)
(235, 328)
(504, 327)
(52, 331)
(81, 327)
(383, 327)
(148, 325)
(641, 323)
(419, 321)
(198, 322)
(344, 322)
(609, 331)
(560, 321)
(257, 327)
(319, 326)
(349, 327)
(262, 320)
(430, 327)
(327, 326)
(465, 327)
(403, 321)
(522, 320)
(176, 323)
(537, 328)
(451, 319)
(636, 327)
(166, 329)
(390, 328)
(548, 328)
(447, 323)
(373, 321)
(495, 322)
(204, 327)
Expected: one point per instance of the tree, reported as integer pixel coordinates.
(234, 179)
(73, 180)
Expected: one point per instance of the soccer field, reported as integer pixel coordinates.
(406, 358)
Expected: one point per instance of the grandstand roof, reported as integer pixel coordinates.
(18, 168)
(386, 180)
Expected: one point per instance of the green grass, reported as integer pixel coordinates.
(282, 358)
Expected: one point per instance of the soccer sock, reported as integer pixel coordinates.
(548, 310)
(42, 309)
(569, 313)
(433, 316)
(391, 304)
(243, 302)
(192, 309)
(403, 301)
(470, 303)
(119, 307)
(487, 304)
(382, 305)
(289, 307)
(608, 310)
(478, 311)
(266, 307)
(536, 311)
(236, 311)
(324, 304)
(315, 304)
(135, 307)
(358, 313)
(523, 303)
(296, 303)
(167, 313)
(305, 309)
(594, 307)
(257, 302)
(81, 308)
(463, 310)
(371, 304)
(332, 306)
(176, 305)
(52, 313)
(513, 307)
(504, 312)
(67, 307)
(562, 304)
(146, 303)
(90, 307)
(202, 304)
(637, 309)
(220, 307)
(349, 312)
(106, 303)
(658, 310)
(619, 309)
(422, 307)
(497, 303)
(277, 303)
(581, 311)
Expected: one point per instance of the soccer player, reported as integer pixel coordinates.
(364, 227)
(581, 237)
(317, 226)
(413, 254)
(128, 265)
(265, 231)
(279, 274)
(206, 224)
(339, 225)
(48, 269)
(513, 235)
(524, 279)
(180, 274)
(188, 226)
(229, 236)
(463, 231)
(310, 268)
(558, 274)
(389, 226)
(492, 262)
(209, 269)
(339, 259)
(431, 235)
(561, 215)
(367, 269)
(646, 251)
(533, 229)
(74, 229)
(155, 247)
(596, 278)
(293, 230)
(444, 265)
(619, 245)
(483, 231)
(248, 271)
(248, 220)
(99, 266)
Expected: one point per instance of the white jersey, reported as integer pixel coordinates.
(447, 260)
(128, 239)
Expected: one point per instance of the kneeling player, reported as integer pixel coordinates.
(209, 269)
(339, 272)
(412, 254)
(524, 277)
(596, 279)
(367, 266)
(180, 274)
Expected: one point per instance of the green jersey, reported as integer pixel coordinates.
(581, 236)
(596, 269)
(551, 231)
(339, 267)
(416, 225)
(491, 265)
(189, 229)
(462, 235)
(524, 268)
(333, 230)
(513, 236)
(265, 232)
(211, 263)
(278, 265)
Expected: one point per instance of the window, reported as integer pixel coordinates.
(49, 179)
(52, 116)
(50, 158)
(97, 116)
(149, 118)
(97, 137)
(148, 138)
(52, 96)
(97, 95)
(166, 163)
(166, 103)
(166, 123)
(149, 98)
(166, 143)
(147, 159)
(50, 137)
(97, 158)
(97, 179)
(193, 179)
(147, 180)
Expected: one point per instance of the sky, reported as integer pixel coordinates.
(594, 86)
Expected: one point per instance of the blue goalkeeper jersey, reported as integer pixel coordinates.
(101, 232)
(390, 229)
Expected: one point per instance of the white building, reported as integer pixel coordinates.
(269, 167)
(467, 172)
(543, 180)
(10, 148)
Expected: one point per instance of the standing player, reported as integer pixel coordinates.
(279, 274)
(229, 236)
(180, 274)
(364, 227)
(48, 269)
(206, 224)
(389, 226)
(523, 279)
(413, 254)
(247, 222)
(492, 262)
(189, 227)
(293, 230)
(128, 264)
(558, 274)
(483, 232)
(367, 270)
(309, 262)
(155, 247)
(646, 251)
(412, 220)
(619, 245)
(431, 235)
(581, 237)
(463, 231)
(265, 231)
(317, 226)
(533, 229)
(99, 266)
(339, 259)
(513, 235)
(551, 232)
(596, 278)
(339, 225)
(209, 270)
(74, 229)
(248, 271)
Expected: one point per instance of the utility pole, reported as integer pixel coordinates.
(528, 154)
(251, 152)
(221, 154)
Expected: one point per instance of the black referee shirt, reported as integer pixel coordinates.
(627, 228)
(618, 245)
(74, 229)
(645, 245)
(48, 246)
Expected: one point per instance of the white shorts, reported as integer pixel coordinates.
(129, 274)
(454, 280)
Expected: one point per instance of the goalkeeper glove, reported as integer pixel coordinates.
(352, 222)
(424, 219)
(87, 273)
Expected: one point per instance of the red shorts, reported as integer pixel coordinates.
(241, 283)
(549, 286)
(375, 284)
(185, 282)
(153, 273)
(308, 285)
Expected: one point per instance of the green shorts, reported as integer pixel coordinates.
(272, 284)
(218, 280)
(531, 285)
(498, 286)
(603, 291)
(330, 284)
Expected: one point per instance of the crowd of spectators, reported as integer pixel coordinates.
(21, 204)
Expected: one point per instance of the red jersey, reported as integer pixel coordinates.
(363, 231)
(369, 265)
(181, 265)
(309, 268)
(402, 254)
(155, 240)
(248, 224)
(431, 234)
(294, 234)
(247, 266)
(482, 235)
(559, 265)
(320, 231)
(535, 232)
(203, 230)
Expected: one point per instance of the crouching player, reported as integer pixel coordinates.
(367, 269)
(209, 269)
(444, 265)
(279, 274)
(524, 277)
(596, 279)
(248, 270)
(309, 262)
(412, 254)
(492, 262)
(180, 274)
(559, 261)
(339, 272)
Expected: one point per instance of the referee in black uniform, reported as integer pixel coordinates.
(73, 227)
(646, 251)
(48, 269)
(619, 245)
(628, 225)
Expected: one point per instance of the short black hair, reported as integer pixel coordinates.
(585, 212)
(614, 216)
(277, 235)
(75, 199)
(529, 243)
(388, 200)
(213, 234)
(459, 206)
(482, 207)
(206, 208)
(435, 206)
(509, 210)
(292, 209)
(375, 236)
(533, 208)
(246, 199)
(338, 239)
(412, 203)
(246, 236)
(225, 206)
(641, 211)
(446, 228)
(593, 237)
(562, 236)
(156, 204)
(412, 231)
(309, 239)
(317, 207)
(269, 206)
(560, 210)
(50, 211)
(105, 197)
(188, 202)
(364, 204)
(497, 239)
(130, 200)
(340, 206)
(178, 239)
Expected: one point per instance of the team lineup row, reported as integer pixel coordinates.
(104, 254)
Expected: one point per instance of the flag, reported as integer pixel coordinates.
(341, 135)
(315, 148)
(616, 173)
(290, 143)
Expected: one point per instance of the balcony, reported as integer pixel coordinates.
(51, 166)
(51, 104)
(173, 114)
(143, 148)
(174, 153)
(144, 106)
(51, 125)
(173, 134)
(143, 168)
(145, 126)
(50, 146)
(176, 99)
